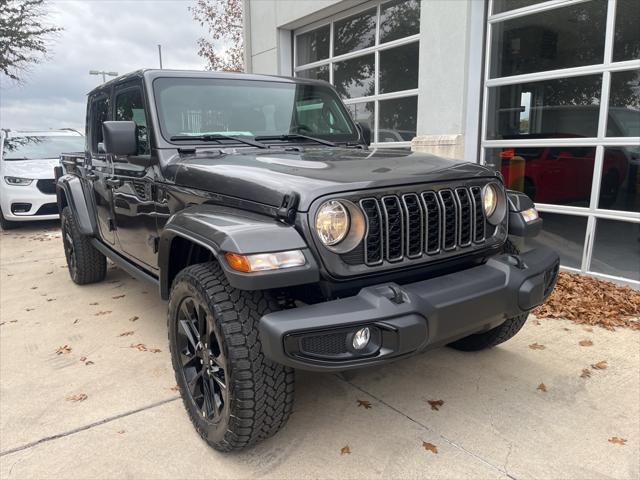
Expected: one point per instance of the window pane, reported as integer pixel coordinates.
(616, 249)
(397, 122)
(399, 19)
(355, 77)
(129, 106)
(500, 6)
(626, 43)
(563, 233)
(620, 184)
(312, 46)
(624, 104)
(399, 68)
(566, 107)
(560, 175)
(317, 73)
(560, 38)
(362, 112)
(355, 32)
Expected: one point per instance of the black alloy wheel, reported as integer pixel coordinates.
(203, 362)
(69, 250)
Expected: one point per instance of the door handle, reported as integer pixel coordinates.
(113, 182)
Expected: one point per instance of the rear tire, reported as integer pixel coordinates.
(234, 396)
(7, 224)
(86, 264)
(493, 337)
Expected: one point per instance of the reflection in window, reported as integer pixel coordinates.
(130, 106)
(564, 234)
(363, 112)
(399, 19)
(566, 107)
(500, 6)
(626, 42)
(355, 32)
(397, 119)
(620, 183)
(616, 249)
(398, 68)
(560, 175)
(355, 77)
(312, 46)
(624, 104)
(565, 37)
(317, 73)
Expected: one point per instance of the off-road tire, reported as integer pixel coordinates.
(7, 224)
(493, 337)
(260, 393)
(88, 264)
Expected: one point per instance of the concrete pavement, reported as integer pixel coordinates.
(494, 422)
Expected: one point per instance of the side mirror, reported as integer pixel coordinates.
(120, 137)
(365, 132)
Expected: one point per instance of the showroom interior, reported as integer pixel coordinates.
(546, 92)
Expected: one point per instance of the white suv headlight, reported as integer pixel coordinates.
(18, 181)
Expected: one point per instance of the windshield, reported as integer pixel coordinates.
(247, 108)
(40, 147)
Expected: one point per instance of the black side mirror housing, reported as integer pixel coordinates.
(365, 132)
(120, 137)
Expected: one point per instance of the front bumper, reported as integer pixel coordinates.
(410, 318)
(33, 204)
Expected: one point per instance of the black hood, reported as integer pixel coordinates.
(265, 176)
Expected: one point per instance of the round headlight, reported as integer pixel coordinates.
(489, 200)
(332, 222)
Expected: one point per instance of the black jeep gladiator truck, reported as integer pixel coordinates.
(282, 241)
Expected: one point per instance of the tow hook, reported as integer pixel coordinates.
(517, 262)
(396, 295)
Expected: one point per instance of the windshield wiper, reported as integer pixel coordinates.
(216, 138)
(291, 136)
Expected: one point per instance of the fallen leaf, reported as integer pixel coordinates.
(83, 359)
(155, 350)
(88, 362)
(430, 447)
(618, 440)
(141, 347)
(49, 273)
(29, 309)
(13, 321)
(78, 397)
(536, 322)
(133, 319)
(536, 346)
(435, 404)
(126, 334)
(64, 349)
(103, 312)
(364, 403)
(542, 387)
(118, 296)
(345, 450)
(93, 303)
(50, 299)
(175, 388)
(34, 288)
(588, 329)
(76, 321)
(566, 329)
(602, 365)
(586, 373)
(585, 343)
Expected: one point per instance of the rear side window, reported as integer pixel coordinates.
(130, 107)
(100, 114)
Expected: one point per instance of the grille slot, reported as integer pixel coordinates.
(414, 224)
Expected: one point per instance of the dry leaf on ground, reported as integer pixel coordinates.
(119, 296)
(93, 303)
(155, 350)
(78, 397)
(586, 373)
(134, 318)
(103, 312)
(430, 447)
(435, 404)
(345, 450)
(175, 388)
(88, 362)
(64, 349)
(618, 440)
(536, 346)
(602, 365)
(126, 334)
(585, 343)
(83, 359)
(542, 387)
(139, 346)
(587, 300)
(364, 403)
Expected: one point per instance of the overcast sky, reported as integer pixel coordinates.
(111, 35)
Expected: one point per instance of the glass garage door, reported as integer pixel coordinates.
(561, 121)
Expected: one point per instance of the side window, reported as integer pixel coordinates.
(100, 113)
(130, 106)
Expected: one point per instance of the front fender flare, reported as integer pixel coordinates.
(223, 229)
(69, 192)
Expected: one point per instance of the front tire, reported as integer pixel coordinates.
(7, 224)
(86, 264)
(234, 396)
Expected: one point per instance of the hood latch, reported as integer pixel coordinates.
(287, 210)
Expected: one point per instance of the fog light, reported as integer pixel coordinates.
(361, 338)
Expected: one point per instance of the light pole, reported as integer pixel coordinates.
(103, 73)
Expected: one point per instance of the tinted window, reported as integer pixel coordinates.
(37, 147)
(563, 233)
(560, 38)
(616, 249)
(624, 104)
(626, 43)
(317, 73)
(399, 19)
(363, 112)
(355, 77)
(99, 114)
(312, 46)
(620, 183)
(397, 121)
(399, 68)
(129, 106)
(355, 32)
(500, 6)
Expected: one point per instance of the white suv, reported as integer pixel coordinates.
(27, 186)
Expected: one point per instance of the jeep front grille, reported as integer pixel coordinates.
(412, 225)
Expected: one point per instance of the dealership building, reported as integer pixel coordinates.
(547, 92)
